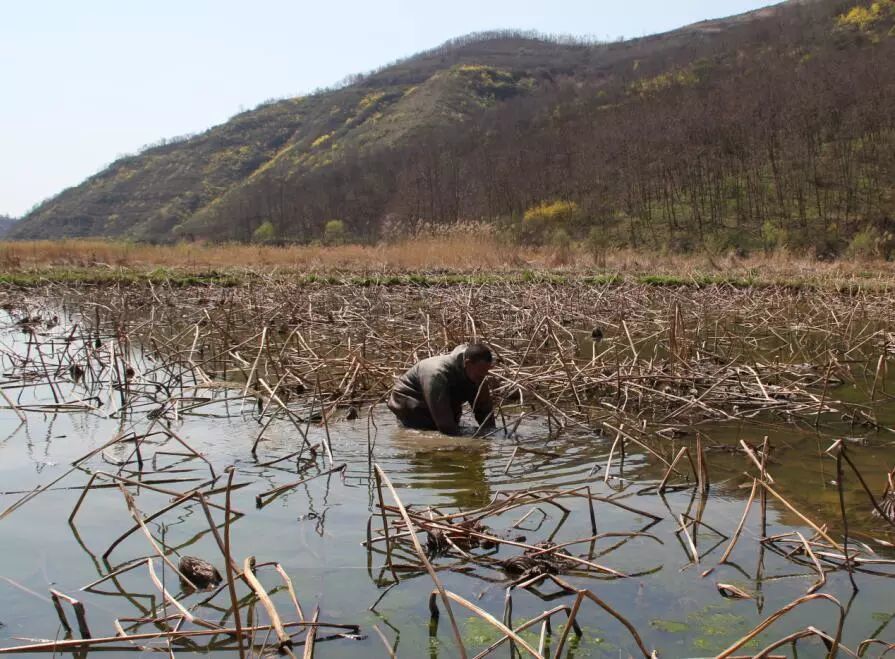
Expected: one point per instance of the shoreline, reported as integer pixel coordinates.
(878, 282)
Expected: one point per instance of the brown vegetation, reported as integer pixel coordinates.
(299, 354)
(480, 253)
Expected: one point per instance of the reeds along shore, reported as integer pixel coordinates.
(474, 252)
(306, 355)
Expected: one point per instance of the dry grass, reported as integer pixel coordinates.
(454, 253)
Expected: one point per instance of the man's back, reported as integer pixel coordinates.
(432, 392)
(435, 377)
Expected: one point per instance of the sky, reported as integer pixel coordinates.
(82, 83)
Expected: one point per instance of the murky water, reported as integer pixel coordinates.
(316, 530)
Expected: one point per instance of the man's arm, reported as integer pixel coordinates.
(438, 399)
(483, 407)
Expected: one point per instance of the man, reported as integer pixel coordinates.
(431, 394)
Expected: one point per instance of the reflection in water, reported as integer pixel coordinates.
(458, 473)
(313, 531)
(453, 466)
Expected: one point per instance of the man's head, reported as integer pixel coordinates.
(477, 361)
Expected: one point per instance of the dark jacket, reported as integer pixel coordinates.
(433, 391)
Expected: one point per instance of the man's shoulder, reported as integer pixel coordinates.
(445, 357)
(434, 364)
(445, 365)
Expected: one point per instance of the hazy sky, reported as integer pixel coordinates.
(83, 82)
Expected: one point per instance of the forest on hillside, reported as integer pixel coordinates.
(784, 139)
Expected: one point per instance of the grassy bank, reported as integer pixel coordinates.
(424, 261)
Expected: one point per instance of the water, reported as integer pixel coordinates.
(316, 530)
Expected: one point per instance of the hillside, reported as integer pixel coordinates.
(766, 129)
(6, 224)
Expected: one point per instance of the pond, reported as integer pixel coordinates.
(150, 418)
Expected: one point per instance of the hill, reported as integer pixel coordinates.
(6, 224)
(765, 129)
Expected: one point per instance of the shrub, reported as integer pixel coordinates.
(554, 212)
(863, 18)
(772, 236)
(543, 220)
(334, 232)
(265, 233)
(865, 244)
(730, 241)
(320, 141)
(676, 78)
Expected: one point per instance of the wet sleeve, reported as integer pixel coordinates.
(437, 395)
(483, 407)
